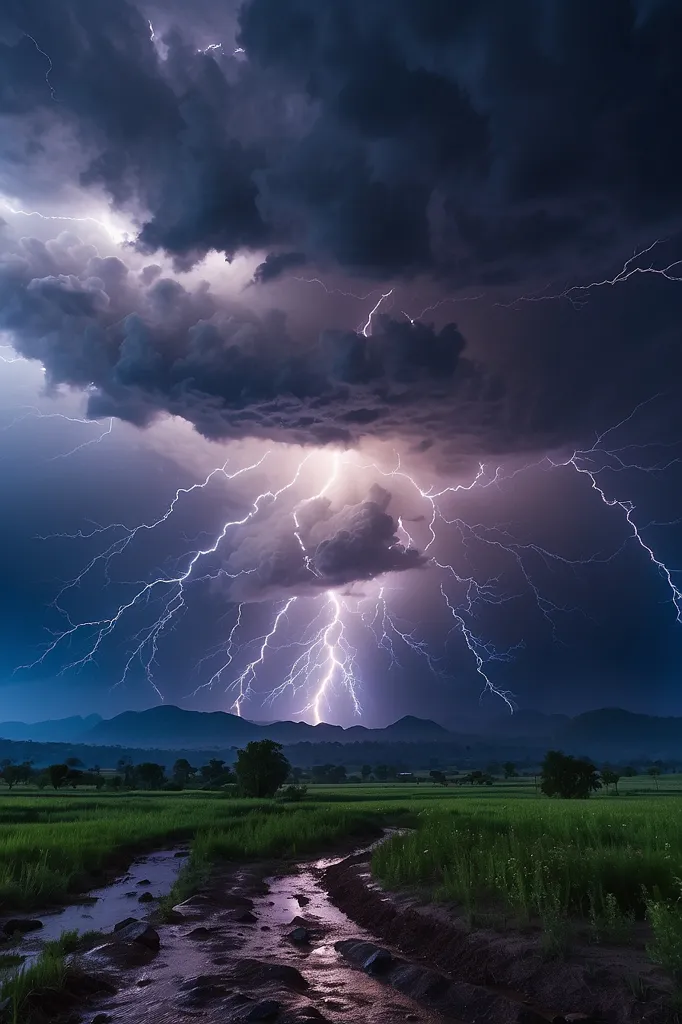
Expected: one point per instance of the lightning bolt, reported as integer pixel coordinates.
(366, 328)
(116, 236)
(578, 294)
(49, 67)
(31, 412)
(328, 658)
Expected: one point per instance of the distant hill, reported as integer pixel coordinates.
(172, 727)
(61, 730)
(609, 734)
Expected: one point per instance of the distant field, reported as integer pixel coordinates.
(503, 841)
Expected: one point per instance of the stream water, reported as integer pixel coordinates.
(196, 974)
(101, 909)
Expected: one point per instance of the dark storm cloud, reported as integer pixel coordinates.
(276, 264)
(333, 549)
(476, 141)
(480, 140)
(143, 345)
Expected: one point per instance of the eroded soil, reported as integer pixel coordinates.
(614, 983)
(250, 947)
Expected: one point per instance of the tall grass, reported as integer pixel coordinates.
(72, 839)
(543, 858)
(48, 972)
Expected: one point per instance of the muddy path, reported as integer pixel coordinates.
(252, 946)
(492, 971)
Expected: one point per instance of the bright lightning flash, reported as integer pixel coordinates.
(327, 658)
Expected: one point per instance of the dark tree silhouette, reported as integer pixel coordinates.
(150, 775)
(261, 768)
(10, 775)
(509, 769)
(58, 774)
(568, 777)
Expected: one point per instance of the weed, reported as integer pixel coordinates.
(666, 923)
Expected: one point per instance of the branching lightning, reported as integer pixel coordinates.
(578, 294)
(113, 234)
(316, 634)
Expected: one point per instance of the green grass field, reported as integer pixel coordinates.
(504, 844)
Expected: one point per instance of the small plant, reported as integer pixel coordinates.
(610, 924)
(666, 922)
(48, 972)
(557, 929)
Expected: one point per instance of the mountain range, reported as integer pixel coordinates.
(608, 733)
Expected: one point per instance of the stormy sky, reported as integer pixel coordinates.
(305, 308)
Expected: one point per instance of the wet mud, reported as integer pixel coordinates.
(252, 946)
(616, 984)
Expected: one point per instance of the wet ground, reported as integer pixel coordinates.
(101, 909)
(231, 959)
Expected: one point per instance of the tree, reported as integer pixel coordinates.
(366, 771)
(10, 775)
(58, 774)
(509, 769)
(568, 777)
(75, 778)
(381, 772)
(654, 771)
(629, 772)
(150, 775)
(261, 768)
(438, 778)
(183, 771)
(74, 762)
(610, 778)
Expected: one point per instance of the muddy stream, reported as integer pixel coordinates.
(250, 948)
(101, 909)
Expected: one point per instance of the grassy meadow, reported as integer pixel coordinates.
(502, 849)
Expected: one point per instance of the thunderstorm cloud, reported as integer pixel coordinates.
(330, 548)
(483, 144)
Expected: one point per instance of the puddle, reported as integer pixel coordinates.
(101, 909)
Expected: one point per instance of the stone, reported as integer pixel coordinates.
(411, 1016)
(173, 917)
(256, 973)
(122, 955)
(141, 933)
(125, 922)
(303, 900)
(22, 925)
(181, 853)
(102, 1018)
(267, 1009)
(300, 936)
(243, 917)
(143, 982)
(200, 934)
(146, 897)
(378, 962)
(144, 881)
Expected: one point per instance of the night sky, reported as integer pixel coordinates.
(413, 272)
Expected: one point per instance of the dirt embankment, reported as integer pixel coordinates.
(616, 984)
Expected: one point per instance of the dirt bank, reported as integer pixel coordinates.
(616, 984)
